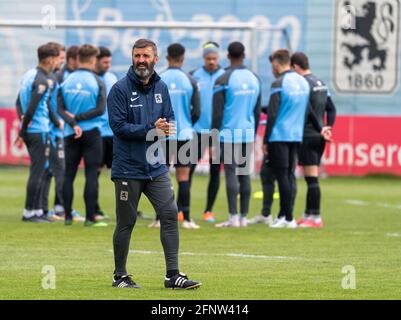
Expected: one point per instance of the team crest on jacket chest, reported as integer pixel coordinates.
(50, 83)
(158, 98)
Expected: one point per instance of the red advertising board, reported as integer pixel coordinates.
(362, 145)
(9, 127)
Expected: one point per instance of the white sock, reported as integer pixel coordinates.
(38, 212)
(28, 213)
(58, 208)
(316, 218)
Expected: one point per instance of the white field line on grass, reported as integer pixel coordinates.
(357, 202)
(366, 233)
(231, 255)
(235, 255)
(362, 203)
(395, 235)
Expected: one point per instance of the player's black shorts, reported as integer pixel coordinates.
(204, 141)
(88, 146)
(282, 154)
(107, 157)
(181, 153)
(311, 151)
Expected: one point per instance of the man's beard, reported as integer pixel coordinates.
(211, 67)
(102, 72)
(144, 74)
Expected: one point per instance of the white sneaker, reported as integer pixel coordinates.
(233, 222)
(243, 222)
(225, 224)
(190, 225)
(292, 224)
(279, 223)
(282, 223)
(154, 224)
(261, 219)
(28, 213)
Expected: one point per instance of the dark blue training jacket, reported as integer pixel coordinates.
(133, 110)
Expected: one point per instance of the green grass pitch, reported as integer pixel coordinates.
(362, 229)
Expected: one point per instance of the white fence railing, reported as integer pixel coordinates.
(253, 28)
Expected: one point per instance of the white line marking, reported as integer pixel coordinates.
(232, 255)
(387, 205)
(360, 233)
(357, 202)
(377, 204)
(396, 235)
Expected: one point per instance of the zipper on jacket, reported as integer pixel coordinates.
(149, 104)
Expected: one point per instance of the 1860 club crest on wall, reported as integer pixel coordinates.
(366, 49)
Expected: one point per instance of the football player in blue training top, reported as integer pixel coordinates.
(103, 64)
(35, 113)
(184, 95)
(206, 77)
(81, 102)
(236, 111)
